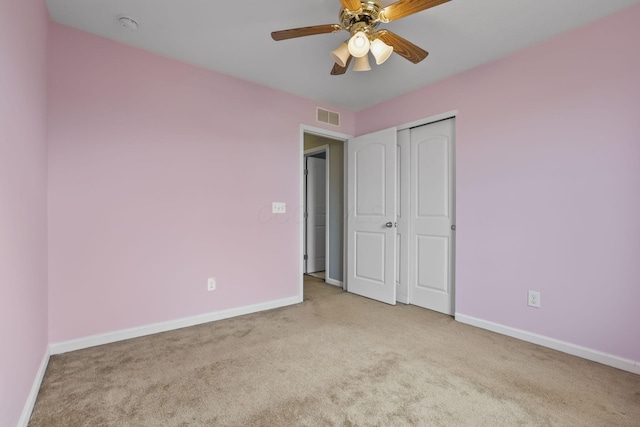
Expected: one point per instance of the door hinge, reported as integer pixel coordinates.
(306, 171)
(306, 257)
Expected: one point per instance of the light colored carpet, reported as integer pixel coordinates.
(318, 274)
(337, 360)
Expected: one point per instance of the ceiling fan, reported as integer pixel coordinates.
(361, 19)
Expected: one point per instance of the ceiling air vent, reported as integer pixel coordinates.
(329, 117)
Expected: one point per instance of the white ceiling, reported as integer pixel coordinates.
(233, 38)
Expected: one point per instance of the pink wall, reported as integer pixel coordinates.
(23, 234)
(548, 184)
(161, 175)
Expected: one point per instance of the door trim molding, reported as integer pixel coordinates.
(320, 132)
(436, 118)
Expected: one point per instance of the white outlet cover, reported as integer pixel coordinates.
(211, 284)
(533, 299)
(278, 207)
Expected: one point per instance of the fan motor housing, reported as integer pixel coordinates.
(368, 14)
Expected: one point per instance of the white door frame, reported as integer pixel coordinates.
(310, 153)
(431, 119)
(329, 134)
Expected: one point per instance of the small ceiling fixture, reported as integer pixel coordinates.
(128, 23)
(361, 19)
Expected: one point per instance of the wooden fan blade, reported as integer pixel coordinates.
(305, 31)
(403, 8)
(337, 69)
(351, 4)
(403, 47)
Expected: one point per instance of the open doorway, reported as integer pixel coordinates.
(324, 150)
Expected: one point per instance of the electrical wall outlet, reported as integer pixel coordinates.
(533, 299)
(211, 284)
(278, 207)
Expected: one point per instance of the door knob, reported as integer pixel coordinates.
(389, 225)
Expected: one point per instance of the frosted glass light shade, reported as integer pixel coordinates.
(381, 51)
(362, 64)
(341, 54)
(359, 44)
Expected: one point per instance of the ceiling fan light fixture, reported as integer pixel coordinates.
(359, 44)
(341, 54)
(381, 51)
(361, 19)
(362, 64)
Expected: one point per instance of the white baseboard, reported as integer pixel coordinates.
(565, 347)
(125, 334)
(334, 282)
(33, 394)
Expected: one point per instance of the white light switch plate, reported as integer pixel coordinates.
(278, 207)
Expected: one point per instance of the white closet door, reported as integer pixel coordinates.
(316, 214)
(371, 200)
(432, 216)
